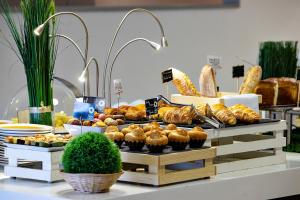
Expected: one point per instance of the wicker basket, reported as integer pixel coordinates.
(92, 183)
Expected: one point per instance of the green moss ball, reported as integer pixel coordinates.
(91, 153)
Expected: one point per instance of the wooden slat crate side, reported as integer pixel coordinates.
(139, 177)
(250, 146)
(249, 129)
(27, 154)
(35, 174)
(250, 163)
(139, 158)
(185, 175)
(186, 156)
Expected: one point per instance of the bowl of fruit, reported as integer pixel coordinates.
(99, 124)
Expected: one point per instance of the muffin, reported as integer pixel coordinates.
(169, 128)
(135, 139)
(117, 137)
(156, 141)
(178, 139)
(148, 127)
(130, 128)
(112, 129)
(197, 137)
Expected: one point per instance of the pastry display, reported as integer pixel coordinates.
(183, 83)
(115, 136)
(244, 114)
(45, 140)
(135, 139)
(207, 82)
(197, 137)
(251, 80)
(178, 139)
(156, 141)
(183, 115)
(269, 92)
(223, 114)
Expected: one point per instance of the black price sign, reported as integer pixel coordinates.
(167, 76)
(99, 102)
(151, 106)
(238, 71)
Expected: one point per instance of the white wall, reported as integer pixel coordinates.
(192, 34)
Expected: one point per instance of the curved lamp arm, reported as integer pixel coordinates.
(85, 71)
(164, 42)
(72, 42)
(39, 30)
(150, 43)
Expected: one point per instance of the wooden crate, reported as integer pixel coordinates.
(168, 168)
(177, 98)
(248, 147)
(42, 166)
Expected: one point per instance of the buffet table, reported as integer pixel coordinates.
(259, 183)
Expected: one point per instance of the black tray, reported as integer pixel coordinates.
(167, 150)
(208, 126)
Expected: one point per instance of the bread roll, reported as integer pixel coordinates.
(183, 83)
(183, 115)
(252, 78)
(269, 92)
(207, 82)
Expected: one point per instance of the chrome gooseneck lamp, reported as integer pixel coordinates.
(154, 45)
(39, 30)
(82, 77)
(164, 42)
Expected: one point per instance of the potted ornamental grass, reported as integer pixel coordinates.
(37, 54)
(92, 163)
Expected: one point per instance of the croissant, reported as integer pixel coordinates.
(244, 113)
(183, 115)
(204, 110)
(223, 114)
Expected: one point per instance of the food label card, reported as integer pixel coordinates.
(151, 106)
(167, 76)
(84, 111)
(99, 102)
(238, 71)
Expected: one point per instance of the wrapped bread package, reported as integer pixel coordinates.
(251, 80)
(183, 83)
(207, 82)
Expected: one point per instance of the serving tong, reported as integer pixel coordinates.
(210, 120)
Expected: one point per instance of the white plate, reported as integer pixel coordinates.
(5, 122)
(25, 127)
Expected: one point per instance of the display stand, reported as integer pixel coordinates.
(42, 165)
(248, 147)
(167, 168)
